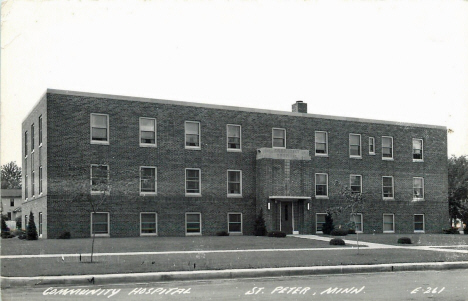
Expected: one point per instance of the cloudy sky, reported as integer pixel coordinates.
(390, 60)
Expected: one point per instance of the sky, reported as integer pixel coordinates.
(388, 60)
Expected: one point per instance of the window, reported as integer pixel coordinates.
(32, 183)
(26, 143)
(419, 223)
(12, 202)
(321, 143)
(355, 145)
(148, 180)
(355, 183)
(192, 181)
(193, 224)
(278, 138)
(388, 223)
(147, 131)
(40, 224)
(26, 221)
(319, 221)
(99, 128)
(40, 130)
(32, 137)
(40, 179)
(233, 137)
(192, 134)
(387, 148)
(371, 146)
(99, 178)
(418, 188)
(148, 223)
(235, 222)
(387, 187)
(234, 183)
(9, 215)
(100, 223)
(417, 149)
(26, 187)
(357, 220)
(321, 185)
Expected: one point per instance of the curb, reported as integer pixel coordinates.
(226, 274)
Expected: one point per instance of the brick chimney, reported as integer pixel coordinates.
(299, 107)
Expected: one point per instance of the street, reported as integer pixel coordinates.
(416, 285)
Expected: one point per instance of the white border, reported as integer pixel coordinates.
(155, 181)
(242, 224)
(422, 150)
(240, 138)
(315, 187)
(156, 224)
(392, 148)
(155, 144)
(230, 195)
(383, 222)
(326, 144)
(423, 222)
(350, 182)
(108, 225)
(197, 194)
(393, 189)
(423, 192)
(272, 138)
(193, 234)
(199, 135)
(91, 130)
(373, 143)
(360, 146)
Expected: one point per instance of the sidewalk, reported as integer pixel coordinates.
(256, 257)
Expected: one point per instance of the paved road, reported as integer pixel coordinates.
(424, 285)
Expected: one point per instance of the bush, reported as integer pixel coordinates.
(22, 235)
(337, 242)
(18, 222)
(451, 230)
(18, 232)
(339, 232)
(222, 233)
(404, 240)
(466, 229)
(31, 231)
(351, 231)
(328, 226)
(276, 234)
(65, 235)
(259, 227)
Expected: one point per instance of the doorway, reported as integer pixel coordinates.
(286, 217)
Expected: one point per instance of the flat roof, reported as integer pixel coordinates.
(234, 108)
(11, 193)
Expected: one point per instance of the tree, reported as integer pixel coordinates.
(11, 176)
(458, 188)
(328, 225)
(351, 202)
(31, 232)
(259, 227)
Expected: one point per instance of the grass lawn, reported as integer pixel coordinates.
(14, 246)
(416, 239)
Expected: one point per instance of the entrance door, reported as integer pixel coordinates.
(286, 217)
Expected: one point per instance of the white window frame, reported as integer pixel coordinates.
(199, 135)
(25, 145)
(26, 188)
(240, 183)
(155, 224)
(40, 180)
(104, 142)
(351, 183)
(373, 145)
(241, 223)
(326, 144)
(143, 144)
(32, 138)
(273, 138)
(422, 150)
(91, 179)
(200, 221)
(422, 186)
(227, 138)
(321, 196)
(40, 130)
(40, 224)
(108, 225)
(423, 224)
(360, 146)
(362, 222)
(391, 147)
(316, 222)
(393, 223)
(393, 188)
(143, 193)
(199, 183)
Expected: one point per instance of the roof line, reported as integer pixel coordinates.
(234, 108)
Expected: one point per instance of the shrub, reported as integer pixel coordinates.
(337, 242)
(339, 232)
(22, 235)
(65, 235)
(451, 230)
(259, 227)
(222, 233)
(328, 226)
(18, 222)
(351, 231)
(31, 232)
(466, 229)
(18, 232)
(404, 240)
(276, 234)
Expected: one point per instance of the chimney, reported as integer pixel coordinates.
(299, 107)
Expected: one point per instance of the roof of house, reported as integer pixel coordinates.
(8, 193)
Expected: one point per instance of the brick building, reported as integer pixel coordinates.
(173, 168)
